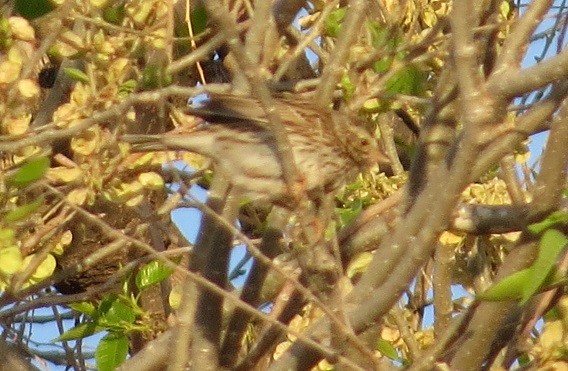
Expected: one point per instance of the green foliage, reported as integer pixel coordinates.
(387, 349)
(80, 331)
(347, 214)
(119, 314)
(347, 86)
(554, 219)
(151, 274)
(24, 211)
(552, 243)
(76, 74)
(111, 351)
(332, 24)
(114, 14)
(409, 80)
(527, 282)
(509, 288)
(383, 37)
(84, 307)
(5, 34)
(116, 312)
(32, 9)
(127, 88)
(30, 172)
(198, 19)
(155, 76)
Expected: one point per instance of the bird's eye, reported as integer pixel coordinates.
(364, 142)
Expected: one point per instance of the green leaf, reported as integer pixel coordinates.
(151, 274)
(386, 39)
(111, 351)
(127, 87)
(80, 331)
(5, 34)
(198, 19)
(76, 74)
(346, 215)
(557, 217)
(524, 284)
(332, 24)
(32, 9)
(23, 211)
(509, 288)
(84, 307)
(30, 172)
(551, 245)
(359, 264)
(524, 360)
(114, 14)
(106, 303)
(154, 76)
(554, 314)
(387, 349)
(348, 87)
(119, 314)
(410, 80)
(382, 65)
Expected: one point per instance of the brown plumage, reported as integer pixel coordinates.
(329, 147)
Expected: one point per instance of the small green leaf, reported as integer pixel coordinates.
(23, 211)
(524, 284)
(346, 215)
(382, 65)
(348, 87)
(387, 349)
(32, 9)
(410, 80)
(151, 274)
(551, 245)
(106, 303)
(154, 76)
(119, 313)
(359, 264)
(5, 34)
(524, 360)
(198, 19)
(80, 332)
(76, 74)
(84, 307)
(114, 14)
(383, 37)
(509, 288)
(30, 172)
(127, 87)
(111, 351)
(557, 217)
(332, 24)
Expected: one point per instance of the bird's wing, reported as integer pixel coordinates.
(228, 109)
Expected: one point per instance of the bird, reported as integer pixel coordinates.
(329, 147)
